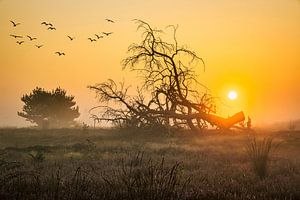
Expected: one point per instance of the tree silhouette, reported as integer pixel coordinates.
(170, 94)
(49, 108)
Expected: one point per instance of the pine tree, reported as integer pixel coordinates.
(52, 109)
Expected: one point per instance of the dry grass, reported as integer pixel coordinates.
(260, 153)
(108, 164)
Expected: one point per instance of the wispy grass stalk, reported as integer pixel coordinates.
(259, 153)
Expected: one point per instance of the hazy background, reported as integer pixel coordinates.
(252, 47)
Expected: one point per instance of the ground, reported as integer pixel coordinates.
(137, 164)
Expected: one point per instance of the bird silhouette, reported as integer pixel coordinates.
(14, 23)
(31, 38)
(60, 53)
(20, 42)
(16, 36)
(39, 46)
(51, 28)
(71, 38)
(109, 20)
(98, 36)
(46, 24)
(107, 34)
(92, 40)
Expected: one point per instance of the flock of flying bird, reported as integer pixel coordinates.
(51, 27)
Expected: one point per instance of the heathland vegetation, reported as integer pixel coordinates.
(130, 164)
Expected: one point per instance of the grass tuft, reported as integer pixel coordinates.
(37, 157)
(259, 153)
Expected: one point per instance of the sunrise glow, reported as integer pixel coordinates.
(232, 95)
(238, 42)
(151, 99)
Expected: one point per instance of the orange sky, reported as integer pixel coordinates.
(252, 47)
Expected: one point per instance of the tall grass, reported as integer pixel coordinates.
(145, 179)
(136, 178)
(259, 153)
(108, 167)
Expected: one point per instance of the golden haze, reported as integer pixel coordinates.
(252, 47)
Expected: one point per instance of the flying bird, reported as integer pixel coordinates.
(60, 53)
(16, 36)
(92, 40)
(20, 42)
(107, 34)
(14, 23)
(98, 37)
(51, 28)
(71, 38)
(109, 20)
(46, 24)
(39, 46)
(31, 38)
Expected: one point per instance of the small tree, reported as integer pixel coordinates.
(49, 108)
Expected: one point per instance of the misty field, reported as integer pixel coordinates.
(124, 164)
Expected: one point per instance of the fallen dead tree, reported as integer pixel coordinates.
(170, 95)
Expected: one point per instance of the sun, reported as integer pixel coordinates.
(232, 95)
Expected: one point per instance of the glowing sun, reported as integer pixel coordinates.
(232, 95)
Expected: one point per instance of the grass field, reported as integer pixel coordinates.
(114, 164)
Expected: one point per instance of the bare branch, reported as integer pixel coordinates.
(168, 74)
